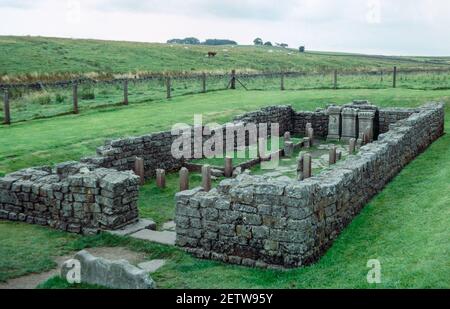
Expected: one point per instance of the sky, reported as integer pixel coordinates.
(388, 27)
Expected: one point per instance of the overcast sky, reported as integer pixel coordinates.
(400, 27)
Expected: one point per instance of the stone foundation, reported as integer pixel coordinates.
(73, 197)
(261, 221)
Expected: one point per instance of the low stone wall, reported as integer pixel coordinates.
(121, 154)
(318, 119)
(388, 116)
(261, 221)
(74, 197)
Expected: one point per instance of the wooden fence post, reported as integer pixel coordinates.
(233, 79)
(125, 92)
(394, 79)
(204, 82)
(169, 87)
(335, 79)
(7, 119)
(282, 82)
(75, 97)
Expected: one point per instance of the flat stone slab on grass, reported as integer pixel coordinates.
(119, 274)
(164, 237)
(152, 266)
(169, 226)
(142, 224)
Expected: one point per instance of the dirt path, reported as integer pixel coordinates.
(32, 280)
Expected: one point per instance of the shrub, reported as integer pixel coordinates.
(87, 95)
(60, 98)
(41, 98)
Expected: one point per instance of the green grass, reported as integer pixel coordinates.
(406, 226)
(55, 140)
(38, 56)
(159, 204)
(31, 59)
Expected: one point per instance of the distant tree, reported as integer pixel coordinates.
(190, 41)
(258, 42)
(268, 43)
(284, 45)
(301, 49)
(219, 42)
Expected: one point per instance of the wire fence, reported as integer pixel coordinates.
(23, 102)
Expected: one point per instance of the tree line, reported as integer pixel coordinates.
(195, 41)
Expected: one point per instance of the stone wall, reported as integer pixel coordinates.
(121, 154)
(388, 116)
(74, 197)
(318, 119)
(261, 221)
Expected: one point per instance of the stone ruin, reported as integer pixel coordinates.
(261, 221)
(248, 220)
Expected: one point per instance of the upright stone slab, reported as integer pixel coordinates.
(307, 166)
(310, 134)
(352, 146)
(366, 123)
(139, 170)
(228, 167)
(287, 136)
(349, 123)
(161, 178)
(333, 155)
(307, 142)
(184, 179)
(206, 178)
(300, 175)
(334, 123)
(289, 149)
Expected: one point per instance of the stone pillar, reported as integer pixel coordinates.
(161, 178)
(307, 166)
(228, 167)
(139, 169)
(332, 155)
(349, 116)
(308, 126)
(289, 149)
(300, 175)
(206, 178)
(307, 142)
(287, 136)
(262, 147)
(334, 123)
(352, 146)
(184, 179)
(366, 123)
(360, 141)
(310, 134)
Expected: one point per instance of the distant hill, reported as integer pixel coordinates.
(37, 57)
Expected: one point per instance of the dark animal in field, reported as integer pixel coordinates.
(212, 54)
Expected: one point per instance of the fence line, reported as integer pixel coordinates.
(203, 82)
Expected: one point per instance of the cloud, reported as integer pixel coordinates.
(375, 26)
(17, 4)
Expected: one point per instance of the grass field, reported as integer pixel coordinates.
(402, 228)
(30, 57)
(71, 137)
(408, 233)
